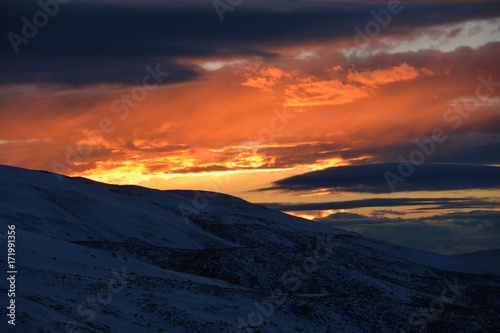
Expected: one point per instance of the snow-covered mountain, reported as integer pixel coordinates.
(93, 257)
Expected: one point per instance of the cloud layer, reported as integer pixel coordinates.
(371, 178)
(88, 42)
(425, 203)
(449, 233)
(277, 87)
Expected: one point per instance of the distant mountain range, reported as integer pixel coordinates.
(487, 257)
(93, 257)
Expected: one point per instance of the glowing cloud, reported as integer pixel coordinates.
(403, 72)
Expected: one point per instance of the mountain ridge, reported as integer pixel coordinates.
(487, 257)
(219, 270)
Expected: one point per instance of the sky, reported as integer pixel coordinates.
(380, 117)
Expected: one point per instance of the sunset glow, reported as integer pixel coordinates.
(258, 106)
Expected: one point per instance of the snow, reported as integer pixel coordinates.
(77, 238)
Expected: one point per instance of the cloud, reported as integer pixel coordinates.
(202, 125)
(427, 203)
(90, 42)
(264, 78)
(311, 91)
(82, 70)
(328, 92)
(449, 233)
(370, 178)
(403, 72)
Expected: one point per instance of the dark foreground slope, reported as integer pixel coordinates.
(93, 257)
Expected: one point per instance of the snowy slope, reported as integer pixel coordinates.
(93, 257)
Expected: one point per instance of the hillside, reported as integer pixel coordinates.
(93, 257)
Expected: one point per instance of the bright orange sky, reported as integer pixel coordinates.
(248, 120)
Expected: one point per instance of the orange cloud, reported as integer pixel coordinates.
(213, 125)
(356, 85)
(264, 78)
(403, 72)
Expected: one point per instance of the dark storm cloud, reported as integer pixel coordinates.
(76, 70)
(87, 42)
(370, 178)
(439, 203)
